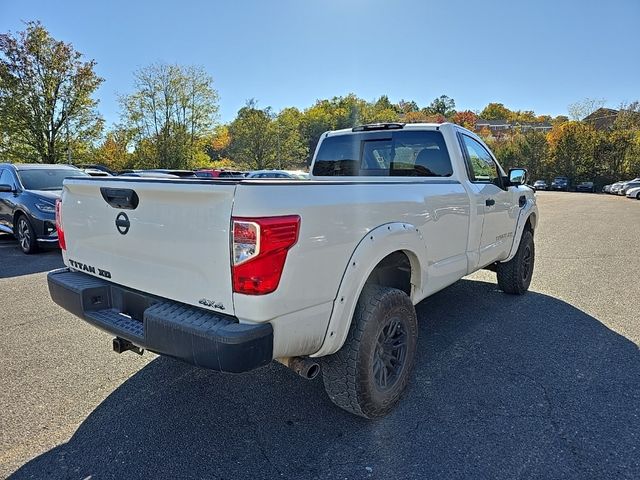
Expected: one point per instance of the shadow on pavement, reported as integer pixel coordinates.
(504, 387)
(14, 263)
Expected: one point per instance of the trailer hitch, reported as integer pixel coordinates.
(121, 345)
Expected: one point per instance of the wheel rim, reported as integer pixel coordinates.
(526, 263)
(24, 235)
(390, 354)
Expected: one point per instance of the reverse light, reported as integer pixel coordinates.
(59, 229)
(259, 249)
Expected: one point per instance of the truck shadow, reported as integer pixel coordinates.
(504, 387)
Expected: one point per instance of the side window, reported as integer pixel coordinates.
(6, 178)
(482, 167)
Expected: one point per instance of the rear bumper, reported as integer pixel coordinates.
(194, 335)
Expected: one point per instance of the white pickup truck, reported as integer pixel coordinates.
(319, 275)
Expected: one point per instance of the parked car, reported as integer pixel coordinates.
(628, 185)
(272, 174)
(175, 172)
(96, 166)
(616, 187)
(560, 183)
(146, 174)
(28, 194)
(94, 172)
(606, 189)
(219, 173)
(634, 193)
(585, 187)
(541, 185)
(299, 174)
(320, 275)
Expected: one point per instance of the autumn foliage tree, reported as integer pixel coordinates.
(46, 104)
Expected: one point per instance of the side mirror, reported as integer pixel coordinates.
(517, 176)
(6, 188)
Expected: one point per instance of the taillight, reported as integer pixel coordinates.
(259, 247)
(59, 229)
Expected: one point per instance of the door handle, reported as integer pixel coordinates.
(490, 202)
(120, 198)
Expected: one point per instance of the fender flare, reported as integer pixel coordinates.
(372, 248)
(529, 211)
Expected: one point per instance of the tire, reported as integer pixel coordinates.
(364, 377)
(514, 276)
(26, 235)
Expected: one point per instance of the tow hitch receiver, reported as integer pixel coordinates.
(121, 345)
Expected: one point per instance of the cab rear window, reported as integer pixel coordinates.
(397, 154)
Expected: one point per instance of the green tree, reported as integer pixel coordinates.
(443, 105)
(292, 150)
(254, 138)
(172, 108)
(262, 140)
(495, 111)
(46, 103)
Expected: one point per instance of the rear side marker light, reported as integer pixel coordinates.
(59, 229)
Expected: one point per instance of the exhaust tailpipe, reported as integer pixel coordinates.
(306, 367)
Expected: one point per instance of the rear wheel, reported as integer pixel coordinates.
(368, 375)
(26, 235)
(515, 275)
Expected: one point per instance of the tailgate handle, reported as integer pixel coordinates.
(120, 198)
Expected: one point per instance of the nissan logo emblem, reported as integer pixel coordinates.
(122, 223)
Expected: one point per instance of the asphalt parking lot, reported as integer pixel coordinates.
(546, 385)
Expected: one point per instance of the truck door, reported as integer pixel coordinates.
(498, 204)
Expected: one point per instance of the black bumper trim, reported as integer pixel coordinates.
(197, 336)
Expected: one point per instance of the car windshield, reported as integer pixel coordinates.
(47, 178)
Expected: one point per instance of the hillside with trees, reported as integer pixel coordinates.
(169, 119)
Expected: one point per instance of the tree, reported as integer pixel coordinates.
(291, 149)
(46, 102)
(572, 148)
(443, 105)
(113, 152)
(218, 143)
(465, 118)
(406, 106)
(172, 108)
(380, 111)
(262, 140)
(584, 108)
(253, 137)
(628, 117)
(496, 111)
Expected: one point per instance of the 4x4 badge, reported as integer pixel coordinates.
(122, 223)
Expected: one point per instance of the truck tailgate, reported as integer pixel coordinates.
(173, 244)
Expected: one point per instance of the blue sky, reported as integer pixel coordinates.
(538, 55)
